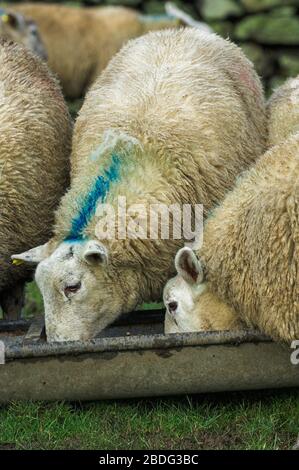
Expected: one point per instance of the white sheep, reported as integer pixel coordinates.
(35, 138)
(251, 244)
(184, 114)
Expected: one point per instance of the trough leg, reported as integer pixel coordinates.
(12, 302)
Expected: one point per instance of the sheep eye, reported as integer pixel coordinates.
(172, 306)
(72, 289)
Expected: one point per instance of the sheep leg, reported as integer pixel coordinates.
(12, 302)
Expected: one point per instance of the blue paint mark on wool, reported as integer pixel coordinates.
(97, 193)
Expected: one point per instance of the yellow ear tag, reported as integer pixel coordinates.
(5, 18)
(17, 262)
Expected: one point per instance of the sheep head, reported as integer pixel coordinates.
(182, 293)
(83, 291)
(191, 304)
(15, 27)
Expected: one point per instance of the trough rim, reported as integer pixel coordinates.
(133, 343)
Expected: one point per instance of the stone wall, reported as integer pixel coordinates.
(267, 30)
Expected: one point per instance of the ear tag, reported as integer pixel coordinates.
(17, 262)
(5, 18)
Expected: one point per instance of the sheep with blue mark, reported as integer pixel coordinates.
(35, 139)
(174, 118)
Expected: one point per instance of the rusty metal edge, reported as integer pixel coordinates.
(131, 343)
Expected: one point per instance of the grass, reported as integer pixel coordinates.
(252, 420)
(34, 302)
(260, 420)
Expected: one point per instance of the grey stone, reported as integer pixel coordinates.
(283, 11)
(289, 63)
(268, 29)
(275, 82)
(262, 60)
(220, 9)
(260, 5)
(127, 3)
(223, 28)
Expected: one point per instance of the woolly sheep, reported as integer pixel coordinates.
(35, 133)
(15, 27)
(81, 41)
(185, 114)
(251, 248)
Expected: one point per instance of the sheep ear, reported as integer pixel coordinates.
(188, 266)
(33, 256)
(95, 253)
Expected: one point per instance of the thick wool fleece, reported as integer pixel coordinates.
(283, 112)
(35, 135)
(81, 41)
(195, 106)
(251, 244)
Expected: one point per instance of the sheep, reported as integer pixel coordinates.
(258, 270)
(190, 303)
(81, 41)
(15, 27)
(283, 112)
(174, 118)
(251, 251)
(35, 138)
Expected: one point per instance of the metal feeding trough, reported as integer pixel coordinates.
(133, 358)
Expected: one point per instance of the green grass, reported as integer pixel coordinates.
(252, 420)
(260, 420)
(74, 107)
(34, 301)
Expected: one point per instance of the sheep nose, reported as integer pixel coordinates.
(172, 306)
